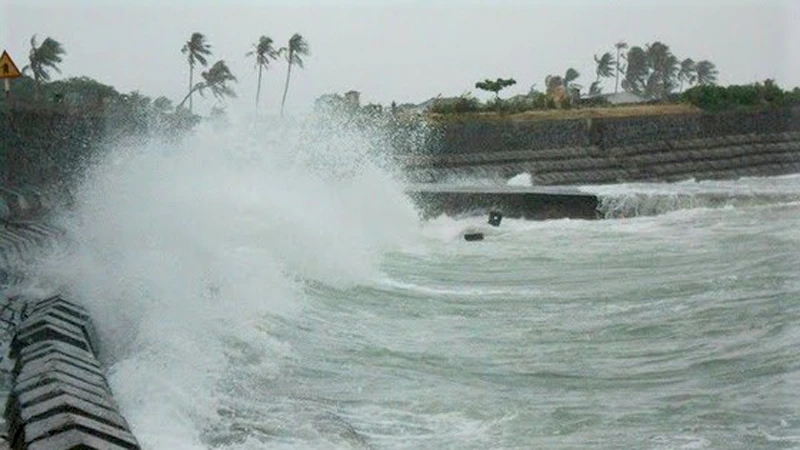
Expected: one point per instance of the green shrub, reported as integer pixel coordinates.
(462, 104)
(737, 97)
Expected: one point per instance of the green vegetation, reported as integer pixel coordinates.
(43, 58)
(36, 90)
(495, 86)
(652, 73)
(297, 49)
(196, 50)
(263, 52)
(619, 47)
(216, 80)
(753, 96)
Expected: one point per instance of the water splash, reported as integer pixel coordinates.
(181, 251)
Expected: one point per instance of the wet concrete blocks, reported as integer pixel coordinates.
(60, 398)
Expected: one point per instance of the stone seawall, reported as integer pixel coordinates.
(612, 150)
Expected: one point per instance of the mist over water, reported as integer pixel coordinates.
(273, 288)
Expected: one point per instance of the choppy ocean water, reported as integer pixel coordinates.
(283, 299)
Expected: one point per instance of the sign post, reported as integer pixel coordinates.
(8, 71)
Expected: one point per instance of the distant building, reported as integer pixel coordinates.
(622, 98)
(352, 99)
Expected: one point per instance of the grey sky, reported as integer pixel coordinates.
(406, 51)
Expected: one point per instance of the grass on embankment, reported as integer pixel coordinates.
(574, 113)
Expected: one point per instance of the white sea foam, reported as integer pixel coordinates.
(181, 251)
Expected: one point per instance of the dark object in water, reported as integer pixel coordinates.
(473, 237)
(495, 218)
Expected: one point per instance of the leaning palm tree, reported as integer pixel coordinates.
(43, 58)
(605, 65)
(687, 72)
(216, 80)
(706, 73)
(620, 46)
(298, 47)
(263, 51)
(570, 76)
(196, 50)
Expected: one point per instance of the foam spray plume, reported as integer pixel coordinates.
(182, 251)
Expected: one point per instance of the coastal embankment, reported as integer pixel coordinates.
(614, 149)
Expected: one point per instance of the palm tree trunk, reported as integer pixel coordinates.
(258, 89)
(36, 87)
(286, 87)
(191, 75)
(616, 83)
(188, 97)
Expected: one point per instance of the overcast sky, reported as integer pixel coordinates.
(402, 50)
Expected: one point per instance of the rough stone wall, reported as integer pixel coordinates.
(459, 137)
(658, 148)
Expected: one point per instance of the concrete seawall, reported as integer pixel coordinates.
(518, 203)
(596, 151)
(57, 395)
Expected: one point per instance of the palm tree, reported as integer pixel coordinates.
(687, 72)
(570, 76)
(620, 46)
(196, 50)
(298, 47)
(216, 80)
(43, 58)
(636, 71)
(605, 65)
(662, 70)
(706, 73)
(263, 51)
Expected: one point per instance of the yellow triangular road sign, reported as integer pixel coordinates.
(7, 67)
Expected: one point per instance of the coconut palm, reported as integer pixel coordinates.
(605, 65)
(216, 80)
(196, 50)
(264, 52)
(636, 70)
(662, 70)
(43, 58)
(620, 46)
(298, 47)
(687, 72)
(570, 76)
(706, 73)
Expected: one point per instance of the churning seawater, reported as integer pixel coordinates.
(252, 294)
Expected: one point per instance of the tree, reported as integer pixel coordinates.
(552, 82)
(636, 70)
(216, 80)
(495, 86)
(687, 72)
(196, 50)
(264, 52)
(43, 58)
(662, 70)
(298, 47)
(706, 73)
(620, 46)
(605, 65)
(570, 76)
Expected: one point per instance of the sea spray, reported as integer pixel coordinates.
(183, 252)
